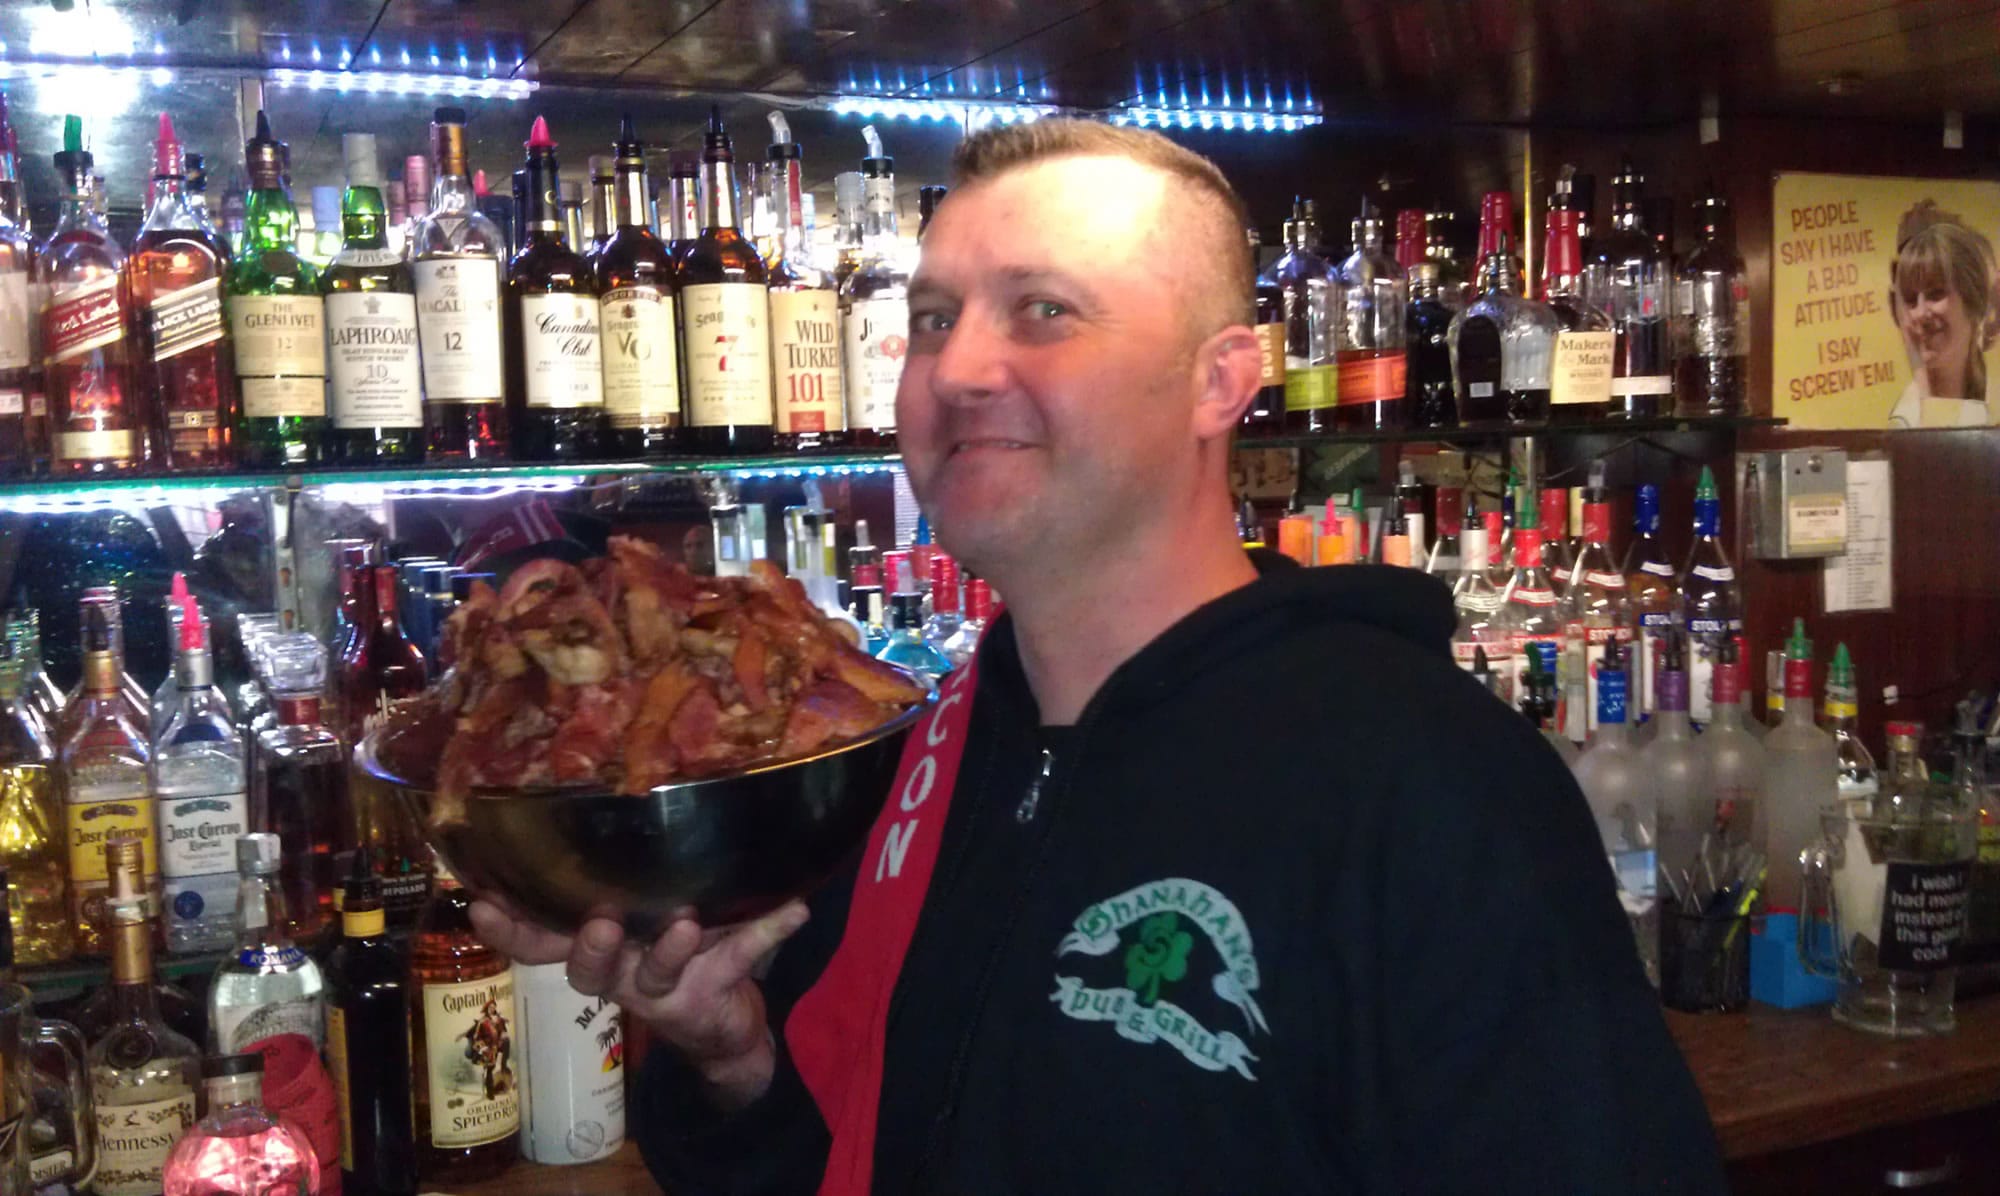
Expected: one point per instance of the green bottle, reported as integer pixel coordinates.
(277, 320)
(375, 392)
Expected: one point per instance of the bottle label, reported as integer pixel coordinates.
(805, 361)
(95, 822)
(458, 325)
(186, 319)
(728, 350)
(1643, 384)
(1715, 572)
(12, 401)
(642, 379)
(14, 318)
(280, 339)
(1309, 387)
(250, 1027)
(336, 1067)
(1270, 355)
(1580, 370)
(1923, 914)
(1371, 379)
(133, 1142)
(1595, 638)
(56, 1164)
(82, 318)
(574, 1049)
(562, 351)
(104, 445)
(376, 379)
(877, 341)
(200, 833)
(469, 1051)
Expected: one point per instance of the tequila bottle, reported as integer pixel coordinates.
(203, 798)
(105, 764)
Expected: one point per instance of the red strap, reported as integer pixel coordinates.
(837, 1029)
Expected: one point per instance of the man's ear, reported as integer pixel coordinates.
(1230, 365)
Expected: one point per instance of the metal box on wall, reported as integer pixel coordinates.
(1795, 502)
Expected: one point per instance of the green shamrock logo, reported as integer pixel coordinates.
(1159, 955)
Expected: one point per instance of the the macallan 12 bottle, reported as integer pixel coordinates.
(375, 394)
(456, 257)
(811, 411)
(277, 320)
(555, 390)
(875, 308)
(94, 400)
(175, 276)
(635, 304)
(725, 317)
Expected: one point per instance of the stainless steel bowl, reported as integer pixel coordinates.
(728, 848)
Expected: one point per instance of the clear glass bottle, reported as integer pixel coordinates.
(906, 645)
(1500, 348)
(1734, 759)
(1580, 360)
(1629, 280)
(33, 838)
(875, 308)
(105, 765)
(375, 385)
(1802, 780)
(240, 1148)
(468, 1109)
(200, 784)
(1714, 311)
(1626, 803)
(1597, 608)
(1530, 615)
(1650, 584)
(1305, 283)
(1857, 783)
(456, 257)
(142, 1072)
(1371, 299)
(1480, 629)
(298, 785)
(1711, 599)
(277, 321)
(1678, 769)
(44, 696)
(947, 612)
(810, 402)
(960, 647)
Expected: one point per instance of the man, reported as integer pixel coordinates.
(1243, 886)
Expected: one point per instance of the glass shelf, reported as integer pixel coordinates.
(1495, 435)
(49, 980)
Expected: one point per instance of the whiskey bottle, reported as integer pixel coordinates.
(1427, 390)
(385, 665)
(1629, 281)
(376, 392)
(847, 189)
(681, 204)
(635, 287)
(1500, 349)
(1266, 412)
(276, 320)
(1454, 281)
(201, 785)
(571, 202)
(298, 785)
(1370, 296)
(368, 1047)
(1715, 308)
(142, 1072)
(468, 1099)
(1306, 284)
(875, 308)
(1580, 364)
(33, 838)
(18, 313)
(555, 390)
(455, 262)
(725, 317)
(110, 796)
(811, 410)
(175, 277)
(95, 406)
(603, 197)
(1498, 237)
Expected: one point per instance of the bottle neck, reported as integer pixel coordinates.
(541, 211)
(269, 219)
(235, 1092)
(388, 617)
(102, 676)
(260, 909)
(79, 207)
(683, 214)
(787, 187)
(878, 215)
(363, 922)
(718, 194)
(362, 225)
(297, 710)
(173, 205)
(194, 669)
(132, 968)
(628, 201)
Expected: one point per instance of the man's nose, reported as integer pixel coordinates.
(972, 363)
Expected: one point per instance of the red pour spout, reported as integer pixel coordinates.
(538, 137)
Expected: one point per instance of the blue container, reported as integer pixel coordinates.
(1777, 977)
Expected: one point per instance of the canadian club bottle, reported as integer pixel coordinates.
(468, 1097)
(368, 1047)
(86, 329)
(875, 308)
(725, 317)
(175, 278)
(635, 289)
(376, 394)
(811, 412)
(455, 262)
(276, 320)
(555, 392)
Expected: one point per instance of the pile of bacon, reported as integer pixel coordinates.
(631, 672)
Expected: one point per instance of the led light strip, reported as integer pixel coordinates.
(1146, 116)
(974, 114)
(403, 83)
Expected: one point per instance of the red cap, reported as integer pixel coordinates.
(1564, 256)
(1913, 730)
(479, 182)
(979, 598)
(944, 584)
(1496, 531)
(167, 149)
(538, 136)
(1450, 510)
(1555, 512)
(1527, 547)
(1410, 237)
(1496, 215)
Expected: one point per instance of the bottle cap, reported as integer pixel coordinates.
(167, 161)
(1798, 647)
(715, 142)
(294, 663)
(362, 164)
(417, 180)
(538, 136)
(878, 164)
(1450, 510)
(906, 609)
(249, 1063)
(448, 116)
(603, 168)
(1565, 248)
(1901, 729)
(1496, 219)
(257, 854)
(1554, 511)
(1410, 237)
(125, 862)
(1841, 671)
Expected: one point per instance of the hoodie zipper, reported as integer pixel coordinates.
(1032, 799)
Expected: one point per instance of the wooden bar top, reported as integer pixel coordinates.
(1774, 1080)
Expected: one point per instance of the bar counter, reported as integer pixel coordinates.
(1775, 1082)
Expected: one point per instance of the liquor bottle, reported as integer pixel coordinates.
(1711, 602)
(555, 389)
(109, 790)
(979, 613)
(396, 213)
(1802, 777)
(945, 617)
(1580, 364)
(110, 608)
(683, 201)
(268, 996)
(1530, 616)
(276, 321)
(847, 201)
(142, 1071)
(571, 200)
(96, 410)
(33, 841)
(195, 186)
(298, 785)
(1499, 530)
(1453, 279)
(386, 665)
(241, 1148)
(1626, 278)
(455, 262)
(875, 308)
(234, 214)
(810, 402)
(325, 240)
(1687, 799)
(635, 287)
(1733, 759)
(573, 1049)
(368, 1047)
(1371, 298)
(1500, 348)
(1597, 605)
(603, 198)
(1410, 241)
(1305, 281)
(17, 313)
(1499, 238)
(1553, 504)
(1427, 392)
(1480, 629)
(1443, 559)
(175, 278)
(1649, 581)
(200, 784)
(468, 1109)
(417, 186)
(43, 695)
(498, 209)
(1714, 290)
(907, 645)
(1266, 412)
(375, 391)
(1626, 803)
(1857, 782)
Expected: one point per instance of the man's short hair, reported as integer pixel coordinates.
(1227, 280)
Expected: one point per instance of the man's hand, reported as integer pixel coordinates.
(692, 987)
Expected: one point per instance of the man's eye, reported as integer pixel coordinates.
(929, 321)
(1045, 309)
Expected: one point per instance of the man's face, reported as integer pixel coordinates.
(1046, 401)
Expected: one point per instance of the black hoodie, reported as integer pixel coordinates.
(1298, 908)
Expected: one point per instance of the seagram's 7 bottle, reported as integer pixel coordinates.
(725, 316)
(455, 261)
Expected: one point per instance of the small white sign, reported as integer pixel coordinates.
(1860, 578)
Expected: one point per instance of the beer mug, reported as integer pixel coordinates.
(48, 1139)
(1891, 882)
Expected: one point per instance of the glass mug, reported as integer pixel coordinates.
(48, 1139)
(1894, 892)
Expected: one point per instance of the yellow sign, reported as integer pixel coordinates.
(1885, 302)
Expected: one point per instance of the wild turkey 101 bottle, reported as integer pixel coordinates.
(810, 410)
(635, 287)
(375, 394)
(555, 391)
(725, 317)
